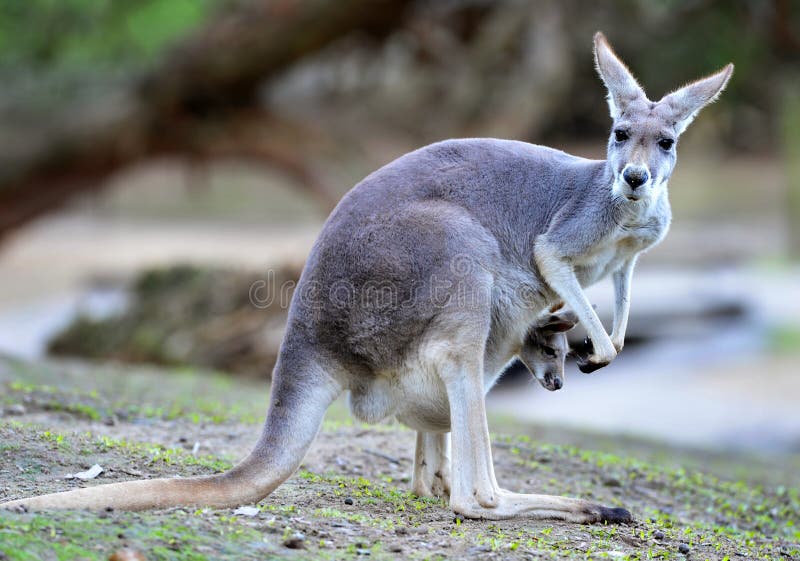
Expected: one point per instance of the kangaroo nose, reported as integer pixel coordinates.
(557, 383)
(635, 176)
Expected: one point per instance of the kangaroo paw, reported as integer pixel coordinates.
(600, 514)
(584, 356)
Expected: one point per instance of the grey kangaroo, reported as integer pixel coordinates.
(423, 284)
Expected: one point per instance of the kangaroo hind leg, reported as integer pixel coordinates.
(432, 465)
(475, 492)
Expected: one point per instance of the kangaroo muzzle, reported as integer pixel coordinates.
(635, 176)
(551, 381)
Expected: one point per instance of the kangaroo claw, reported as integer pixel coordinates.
(583, 354)
(589, 367)
(583, 350)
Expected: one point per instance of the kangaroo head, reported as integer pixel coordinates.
(641, 148)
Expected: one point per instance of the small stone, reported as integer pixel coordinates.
(362, 551)
(612, 482)
(296, 541)
(16, 409)
(683, 548)
(348, 501)
(658, 535)
(396, 549)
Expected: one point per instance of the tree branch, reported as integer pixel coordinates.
(190, 102)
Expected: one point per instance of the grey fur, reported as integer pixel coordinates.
(424, 284)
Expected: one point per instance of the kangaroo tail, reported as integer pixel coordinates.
(299, 399)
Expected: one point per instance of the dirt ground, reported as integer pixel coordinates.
(350, 497)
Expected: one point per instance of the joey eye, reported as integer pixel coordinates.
(666, 143)
(549, 351)
(621, 135)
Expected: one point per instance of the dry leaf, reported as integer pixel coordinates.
(90, 473)
(246, 511)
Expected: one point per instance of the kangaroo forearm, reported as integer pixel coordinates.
(622, 303)
(560, 276)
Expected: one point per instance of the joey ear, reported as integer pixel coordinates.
(559, 327)
(686, 102)
(622, 86)
(560, 322)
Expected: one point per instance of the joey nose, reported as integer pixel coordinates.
(635, 176)
(557, 383)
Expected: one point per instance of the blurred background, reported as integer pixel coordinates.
(163, 161)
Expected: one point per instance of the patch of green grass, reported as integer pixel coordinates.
(81, 404)
(173, 536)
(703, 508)
(184, 394)
(156, 453)
(368, 492)
(141, 453)
(56, 438)
(785, 338)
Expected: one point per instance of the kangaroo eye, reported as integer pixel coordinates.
(549, 351)
(621, 135)
(666, 143)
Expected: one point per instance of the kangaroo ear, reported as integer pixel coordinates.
(622, 86)
(559, 322)
(687, 101)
